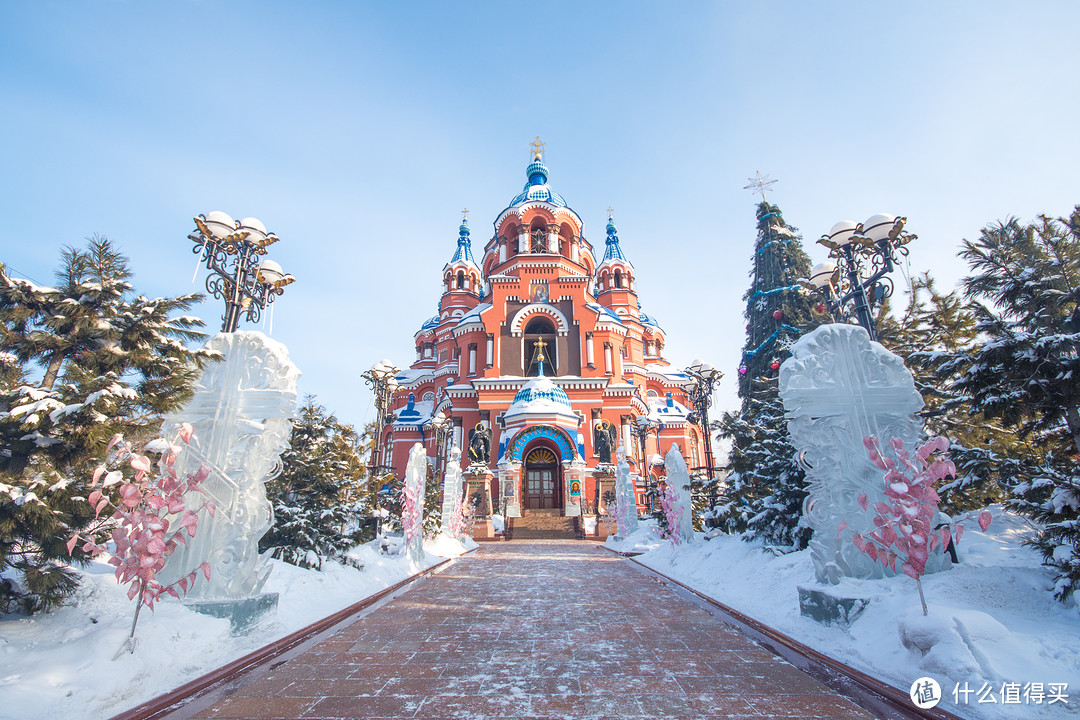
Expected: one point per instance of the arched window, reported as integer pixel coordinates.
(618, 278)
(460, 279)
(540, 329)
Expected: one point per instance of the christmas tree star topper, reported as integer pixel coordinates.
(760, 183)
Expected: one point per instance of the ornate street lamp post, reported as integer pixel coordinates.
(382, 379)
(440, 424)
(642, 427)
(873, 247)
(231, 250)
(702, 379)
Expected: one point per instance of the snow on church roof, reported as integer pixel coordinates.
(474, 314)
(605, 313)
(649, 320)
(667, 410)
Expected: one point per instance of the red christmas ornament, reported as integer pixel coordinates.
(777, 314)
(820, 307)
(775, 365)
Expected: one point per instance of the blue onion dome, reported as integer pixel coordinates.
(431, 324)
(537, 172)
(537, 189)
(540, 395)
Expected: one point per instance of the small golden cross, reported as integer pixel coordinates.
(540, 345)
(538, 148)
(465, 215)
(610, 212)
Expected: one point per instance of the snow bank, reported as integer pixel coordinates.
(60, 664)
(992, 619)
(645, 538)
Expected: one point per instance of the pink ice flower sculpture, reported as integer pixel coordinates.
(903, 522)
(149, 520)
(671, 504)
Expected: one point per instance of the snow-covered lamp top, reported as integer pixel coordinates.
(877, 227)
(843, 232)
(822, 274)
(220, 224)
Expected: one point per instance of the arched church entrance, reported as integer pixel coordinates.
(543, 479)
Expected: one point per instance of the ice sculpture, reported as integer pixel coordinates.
(241, 414)
(412, 515)
(678, 482)
(625, 499)
(838, 387)
(451, 504)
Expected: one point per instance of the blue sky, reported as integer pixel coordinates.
(358, 131)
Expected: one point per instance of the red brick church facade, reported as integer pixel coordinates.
(542, 358)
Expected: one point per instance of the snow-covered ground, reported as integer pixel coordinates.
(993, 625)
(59, 665)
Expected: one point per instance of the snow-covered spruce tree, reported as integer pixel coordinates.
(766, 485)
(934, 328)
(84, 360)
(313, 508)
(1025, 282)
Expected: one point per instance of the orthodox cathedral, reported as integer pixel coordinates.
(543, 360)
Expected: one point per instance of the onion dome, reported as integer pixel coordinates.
(540, 396)
(537, 188)
(431, 324)
(649, 321)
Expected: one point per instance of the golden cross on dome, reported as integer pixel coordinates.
(610, 213)
(465, 215)
(759, 183)
(537, 148)
(540, 345)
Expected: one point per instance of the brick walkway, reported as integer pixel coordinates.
(555, 629)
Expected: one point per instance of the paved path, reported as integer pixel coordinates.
(555, 629)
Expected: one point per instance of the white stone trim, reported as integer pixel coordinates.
(518, 321)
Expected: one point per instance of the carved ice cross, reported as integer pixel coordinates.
(838, 387)
(852, 391)
(231, 411)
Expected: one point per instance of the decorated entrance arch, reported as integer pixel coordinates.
(554, 434)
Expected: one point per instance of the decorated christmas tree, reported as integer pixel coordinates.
(766, 485)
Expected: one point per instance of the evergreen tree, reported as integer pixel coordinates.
(314, 496)
(1026, 375)
(766, 484)
(110, 363)
(934, 328)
